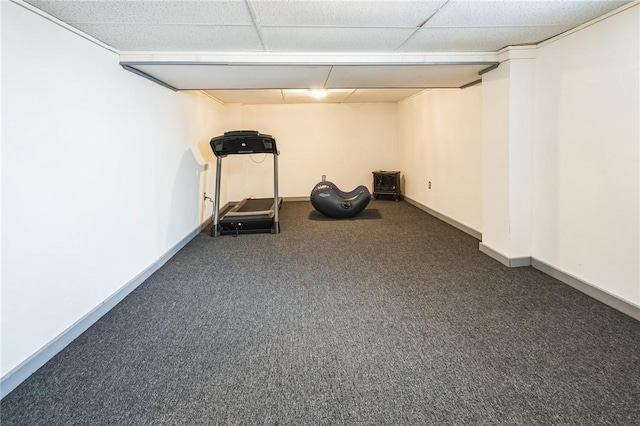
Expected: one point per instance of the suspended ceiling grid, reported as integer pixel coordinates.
(167, 40)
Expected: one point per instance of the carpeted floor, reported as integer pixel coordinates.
(393, 321)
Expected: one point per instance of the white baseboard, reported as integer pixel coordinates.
(13, 378)
(512, 262)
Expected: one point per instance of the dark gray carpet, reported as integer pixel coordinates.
(372, 322)
(364, 215)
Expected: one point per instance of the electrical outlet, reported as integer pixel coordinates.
(429, 184)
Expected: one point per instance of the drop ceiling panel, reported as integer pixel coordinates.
(312, 39)
(381, 95)
(209, 77)
(247, 96)
(304, 96)
(168, 38)
(568, 13)
(477, 39)
(403, 76)
(344, 13)
(318, 26)
(148, 12)
(290, 34)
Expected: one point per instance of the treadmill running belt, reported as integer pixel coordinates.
(248, 216)
(256, 205)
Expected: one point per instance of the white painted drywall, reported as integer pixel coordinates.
(507, 139)
(521, 92)
(586, 169)
(495, 159)
(440, 141)
(102, 173)
(345, 142)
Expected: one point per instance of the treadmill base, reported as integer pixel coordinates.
(242, 219)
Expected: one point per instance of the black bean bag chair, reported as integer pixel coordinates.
(329, 200)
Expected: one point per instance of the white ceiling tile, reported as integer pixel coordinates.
(305, 96)
(308, 27)
(210, 77)
(403, 76)
(168, 38)
(344, 13)
(381, 95)
(308, 39)
(147, 12)
(477, 39)
(571, 13)
(247, 96)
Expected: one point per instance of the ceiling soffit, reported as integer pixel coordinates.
(309, 71)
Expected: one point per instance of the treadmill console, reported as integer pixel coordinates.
(243, 142)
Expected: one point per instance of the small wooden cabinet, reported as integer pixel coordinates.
(386, 183)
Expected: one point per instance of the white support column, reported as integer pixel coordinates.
(507, 136)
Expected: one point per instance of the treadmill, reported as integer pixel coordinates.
(250, 215)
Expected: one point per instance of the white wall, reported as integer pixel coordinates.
(102, 173)
(506, 160)
(586, 172)
(440, 140)
(495, 156)
(346, 142)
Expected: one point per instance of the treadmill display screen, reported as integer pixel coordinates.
(243, 142)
